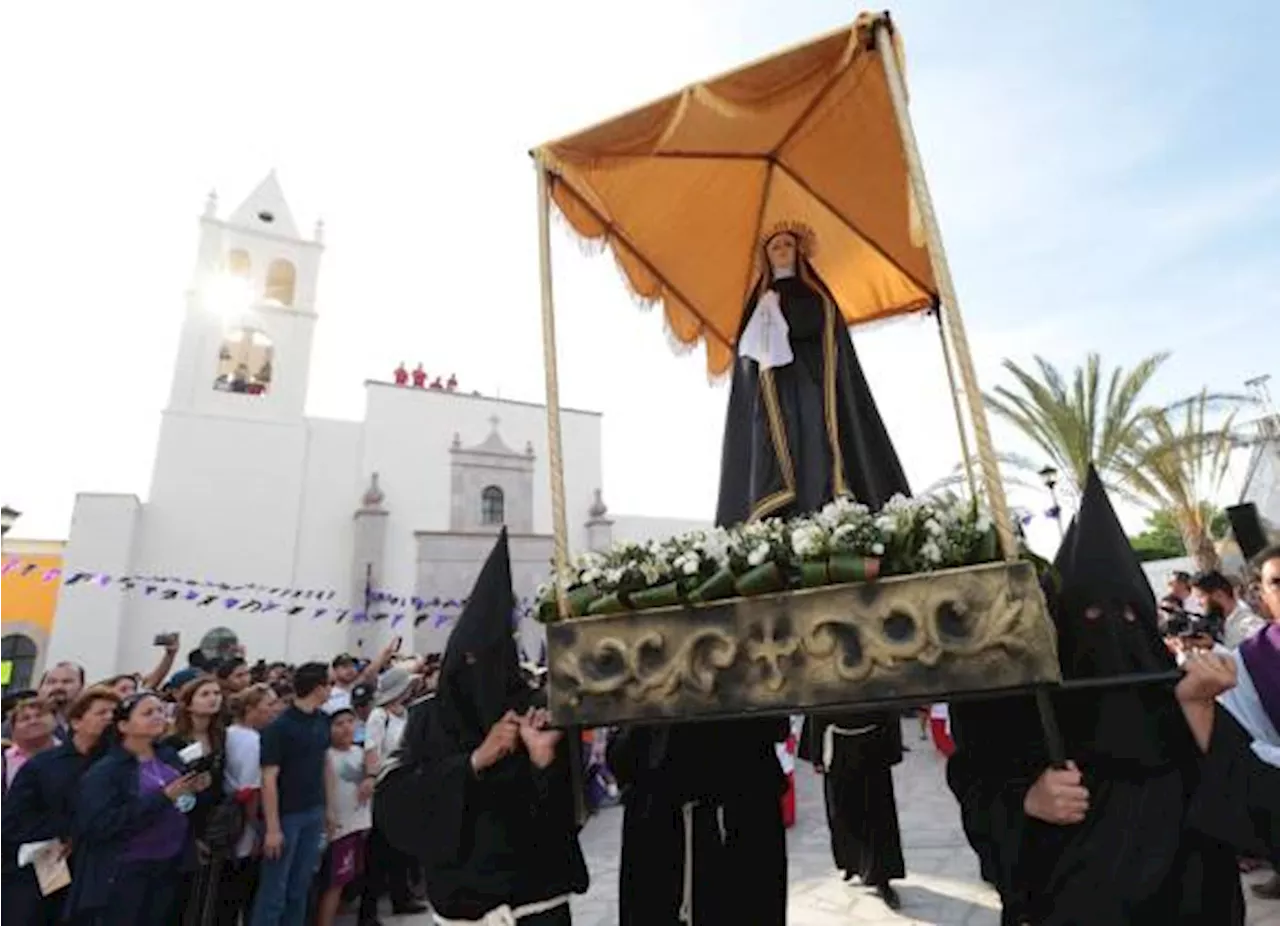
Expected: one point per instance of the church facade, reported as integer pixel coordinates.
(246, 489)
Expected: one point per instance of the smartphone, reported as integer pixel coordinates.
(164, 639)
(399, 643)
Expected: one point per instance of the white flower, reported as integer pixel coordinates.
(983, 524)
(930, 552)
(758, 555)
(934, 527)
(877, 548)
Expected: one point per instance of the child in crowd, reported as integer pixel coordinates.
(352, 816)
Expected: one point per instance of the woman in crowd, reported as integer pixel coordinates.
(31, 723)
(198, 720)
(252, 709)
(41, 802)
(122, 685)
(129, 829)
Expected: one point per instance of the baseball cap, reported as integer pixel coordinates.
(342, 659)
(361, 695)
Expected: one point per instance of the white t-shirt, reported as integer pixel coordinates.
(348, 771)
(382, 734)
(339, 700)
(242, 769)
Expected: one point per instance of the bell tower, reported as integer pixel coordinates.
(245, 350)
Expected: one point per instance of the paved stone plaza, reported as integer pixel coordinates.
(942, 884)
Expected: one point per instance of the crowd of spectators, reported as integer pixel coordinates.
(220, 793)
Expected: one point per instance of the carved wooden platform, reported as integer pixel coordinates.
(905, 639)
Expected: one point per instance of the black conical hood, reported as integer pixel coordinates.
(1105, 608)
(480, 674)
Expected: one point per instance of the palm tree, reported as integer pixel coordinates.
(1178, 463)
(1081, 423)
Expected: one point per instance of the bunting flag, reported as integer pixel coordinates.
(256, 598)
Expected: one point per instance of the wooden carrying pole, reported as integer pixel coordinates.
(949, 310)
(559, 525)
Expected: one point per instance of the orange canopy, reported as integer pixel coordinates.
(682, 190)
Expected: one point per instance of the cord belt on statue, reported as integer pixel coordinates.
(506, 915)
(686, 889)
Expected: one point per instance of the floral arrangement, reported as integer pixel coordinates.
(844, 542)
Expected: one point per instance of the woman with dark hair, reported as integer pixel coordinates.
(199, 736)
(130, 824)
(40, 804)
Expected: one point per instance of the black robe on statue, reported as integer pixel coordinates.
(1135, 859)
(703, 841)
(508, 835)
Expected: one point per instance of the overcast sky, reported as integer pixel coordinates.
(1107, 177)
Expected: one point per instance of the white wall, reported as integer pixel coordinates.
(90, 620)
(408, 433)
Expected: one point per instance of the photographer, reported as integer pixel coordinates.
(1217, 599)
(130, 827)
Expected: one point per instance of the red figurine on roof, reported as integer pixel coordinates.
(419, 377)
(435, 383)
(452, 384)
(401, 374)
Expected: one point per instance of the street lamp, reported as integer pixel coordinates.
(7, 518)
(1049, 476)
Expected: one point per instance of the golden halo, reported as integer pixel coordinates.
(806, 240)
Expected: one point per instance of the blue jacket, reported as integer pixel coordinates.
(108, 812)
(41, 802)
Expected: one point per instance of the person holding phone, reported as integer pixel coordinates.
(130, 827)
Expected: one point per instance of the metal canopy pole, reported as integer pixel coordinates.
(949, 310)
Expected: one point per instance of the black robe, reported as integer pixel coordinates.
(1134, 859)
(507, 835)
(795, 437)
(798, 436)
(862, 813)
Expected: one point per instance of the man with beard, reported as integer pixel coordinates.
(481, 790)
(1105, 840)
(1225, 609)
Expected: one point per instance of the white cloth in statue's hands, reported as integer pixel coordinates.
(766, 337)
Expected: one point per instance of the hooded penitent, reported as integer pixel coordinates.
(505, 835)
(480, 677)
(1106, 617)
(1133, 859)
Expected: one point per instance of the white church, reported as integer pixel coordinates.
(246, 488)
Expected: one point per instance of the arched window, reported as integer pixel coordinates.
(244, 362)
(18, 653)
(492, 506)
(218, 642)
(281, 277)
(238, 264)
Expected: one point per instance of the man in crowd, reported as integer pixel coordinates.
(58, 688)
(1269, 581)
(294, 791)
(1179, 587)
(1218, 601)
(346, 674)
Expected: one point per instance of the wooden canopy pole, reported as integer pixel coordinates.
(950, 308)
(559, 524)
(954, 387)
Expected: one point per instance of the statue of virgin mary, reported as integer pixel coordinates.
(802, 427)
